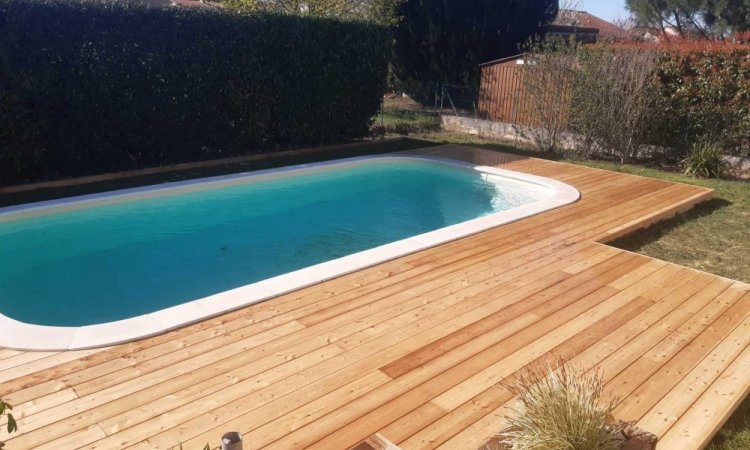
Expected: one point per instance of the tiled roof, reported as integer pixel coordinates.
(584, 19)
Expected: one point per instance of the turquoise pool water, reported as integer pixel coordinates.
(111, 262)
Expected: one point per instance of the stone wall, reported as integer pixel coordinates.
(501, 130)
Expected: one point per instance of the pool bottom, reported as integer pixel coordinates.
(20, 335)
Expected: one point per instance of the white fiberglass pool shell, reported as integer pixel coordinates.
(19, 335)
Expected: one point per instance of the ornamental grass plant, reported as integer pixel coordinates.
(560, 407)
(705, 160)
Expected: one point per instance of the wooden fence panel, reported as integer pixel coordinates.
(502, 96)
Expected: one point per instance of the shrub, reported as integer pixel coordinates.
(613, 99)
(706, 93)
(627, 97)
(704, 160)
(547, 77)
(559, 409)
(96, 86)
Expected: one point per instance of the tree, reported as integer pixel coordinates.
(707, 18)
(731, 14)
(445, 40)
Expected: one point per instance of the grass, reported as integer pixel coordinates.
(405, 121)
(735, 435)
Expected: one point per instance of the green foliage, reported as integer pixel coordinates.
(705, 93)
(445, 40)
(707, 18)
(704, 160)
(4, 411)
(735, 14)
(99, 86)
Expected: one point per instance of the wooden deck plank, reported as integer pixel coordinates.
(666, 363)
(463, 370)
(413, 348)
(702, 420)
(572, 284)
(473, 409)
(486, 420)
(674, 404)
(485, 380)
(494, 395)
(152, 443)
(629, 379)
(328, 337)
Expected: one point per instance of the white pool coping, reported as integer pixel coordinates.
(24, 336)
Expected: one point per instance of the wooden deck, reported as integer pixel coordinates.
(413, 349)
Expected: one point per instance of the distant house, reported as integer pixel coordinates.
(586, 28)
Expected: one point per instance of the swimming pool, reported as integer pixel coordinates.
(106, 268)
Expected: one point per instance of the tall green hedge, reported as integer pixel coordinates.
(89, 86)
(706, 95)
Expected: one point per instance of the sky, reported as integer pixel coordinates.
(606, 9)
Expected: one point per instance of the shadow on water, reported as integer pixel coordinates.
(511, 148)
(269, 162)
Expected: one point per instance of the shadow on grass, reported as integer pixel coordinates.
(636, 241)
